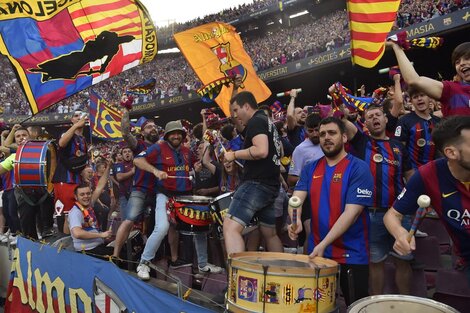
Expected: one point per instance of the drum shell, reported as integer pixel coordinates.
(399, 303)
(293, 283)
(35, 164)
(192, 213)
(219, 207)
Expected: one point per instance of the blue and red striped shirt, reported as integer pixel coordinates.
(450, 198)
(330, 189)
(143, 180)
(175, 162)
(388, 161)
(415, 132)
(75, 148)
(455, 98)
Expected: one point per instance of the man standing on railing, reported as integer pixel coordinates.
(260, 181)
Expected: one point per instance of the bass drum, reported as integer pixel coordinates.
(35, 164)
(281, 282)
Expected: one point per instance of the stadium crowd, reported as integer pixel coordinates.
(174, 75)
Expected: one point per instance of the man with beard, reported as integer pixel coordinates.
(124, 172)
(389, 162)
(72, 157)
(261, 176)
(447, 182)
(309, 150)
(143, 188)
(414, 130)
(338, 187)
(170, 162)
(295, 121)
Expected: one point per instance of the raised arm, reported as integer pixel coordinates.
(431, 87)
(126, 130)
(68, 135)
(291, 119)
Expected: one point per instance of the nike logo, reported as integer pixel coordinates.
(315, 177)
(446, 195)
(167, 158)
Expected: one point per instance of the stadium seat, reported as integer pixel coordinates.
(427, 252)
(452, 289)
(214, 283)
(434, 227)
(418, 281)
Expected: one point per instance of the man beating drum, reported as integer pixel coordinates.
(339, 186)
(30, 202)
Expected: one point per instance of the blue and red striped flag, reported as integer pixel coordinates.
(59, 48)
(370, 21)
(105, 121)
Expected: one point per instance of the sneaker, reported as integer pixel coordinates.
(13, 240)
(47, 233)
(210, 268)
(143, 271)
(420, 234)
(178, 263)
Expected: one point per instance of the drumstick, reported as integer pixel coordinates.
(184, 177)
(235, 160)
(424, 202)
(113, 217)
(294, 203)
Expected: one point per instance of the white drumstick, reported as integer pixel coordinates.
(113, 217)
(184, 177)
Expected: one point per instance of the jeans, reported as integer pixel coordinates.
(254, 198)
(159, 231)
(11, 209)
(136, 205)
(123, 207)
(381, 242)
(200, 243)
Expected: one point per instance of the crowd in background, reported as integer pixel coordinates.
(174, 75)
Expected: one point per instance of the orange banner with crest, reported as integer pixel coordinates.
(215, 51)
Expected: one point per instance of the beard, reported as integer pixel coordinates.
(315, 140)
(333, 151)
(152, 137)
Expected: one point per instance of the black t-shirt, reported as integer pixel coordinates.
(265, 170)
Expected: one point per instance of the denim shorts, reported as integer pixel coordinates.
(381, 242)
(138, 203)
(254, 198)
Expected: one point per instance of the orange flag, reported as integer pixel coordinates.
(370, 21)
(215, 51)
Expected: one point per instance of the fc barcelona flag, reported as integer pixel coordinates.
(215, 51)
(61, 47)
(105, 121)
(370, 21)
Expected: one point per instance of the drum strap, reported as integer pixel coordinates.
(30, 201)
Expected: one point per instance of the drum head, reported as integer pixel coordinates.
(193, 199)
(398, 304)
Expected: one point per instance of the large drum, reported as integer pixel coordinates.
(281, 282)
(35, 163)
(219, 207)
(192, 214)
(399, 304)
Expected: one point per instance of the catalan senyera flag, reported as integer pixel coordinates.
(215, 51)
(370, 21)
(105, 121)
(61, 47)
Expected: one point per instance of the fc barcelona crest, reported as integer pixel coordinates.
(228, 65)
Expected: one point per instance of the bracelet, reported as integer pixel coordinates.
(249, 151)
